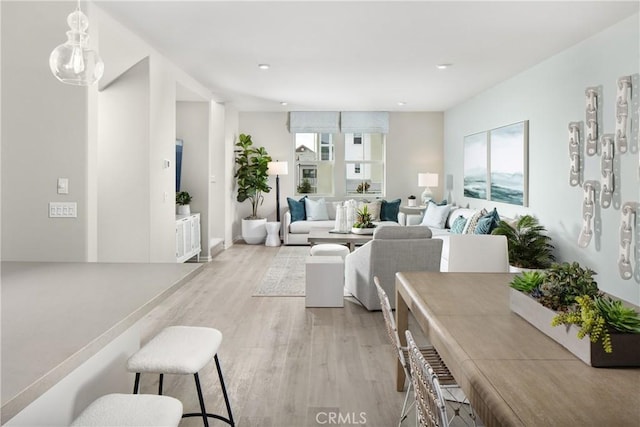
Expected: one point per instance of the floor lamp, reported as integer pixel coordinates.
(278, 168)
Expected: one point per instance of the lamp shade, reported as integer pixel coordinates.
(427, 179)
(74, 62)
(278, 168)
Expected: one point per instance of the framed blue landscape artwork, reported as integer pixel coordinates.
(475, 165)
(508, 164)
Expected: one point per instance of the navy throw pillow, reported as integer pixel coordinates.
(389, 210)
(296, 207)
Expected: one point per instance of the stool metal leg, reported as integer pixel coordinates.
(201, 399)
(160, 384)
(224, 391)
(136, 384)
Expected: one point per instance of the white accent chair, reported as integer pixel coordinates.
(476, 253)
(391, 250)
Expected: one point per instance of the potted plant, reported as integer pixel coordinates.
(183, 199)
(529, 245)
(364, 223)
(411, 201)
(566, 294)
(252, 179)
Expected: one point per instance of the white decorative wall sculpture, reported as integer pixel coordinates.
(627, 221)
(588, 212)
(606, 169)
(574, 154)
(592, 120)
(622, 113)
(626, 140)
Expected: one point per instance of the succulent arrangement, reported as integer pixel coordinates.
(571, 290)
(363, 218)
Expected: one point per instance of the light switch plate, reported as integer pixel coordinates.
(63, 185)
(63, 210)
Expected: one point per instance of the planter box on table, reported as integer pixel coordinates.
(626, 347)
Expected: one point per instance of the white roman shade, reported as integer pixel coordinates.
(314, 122)
(365, 122)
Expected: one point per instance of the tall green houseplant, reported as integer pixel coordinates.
(529, 245)
(251, 173)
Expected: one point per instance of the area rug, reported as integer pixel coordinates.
(285, 277)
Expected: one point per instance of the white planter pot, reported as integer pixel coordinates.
(254, 231)
(183, 210)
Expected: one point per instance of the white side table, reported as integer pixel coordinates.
(273, 234)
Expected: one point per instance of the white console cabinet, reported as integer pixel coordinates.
(187, 237)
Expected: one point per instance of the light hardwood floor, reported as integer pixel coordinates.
(284, 365)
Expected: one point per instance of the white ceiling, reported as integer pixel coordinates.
(360, 55)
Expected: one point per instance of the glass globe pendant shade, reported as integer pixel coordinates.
(74, 62)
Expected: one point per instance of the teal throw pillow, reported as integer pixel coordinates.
(389, 210)
(487, 223)
(458, 225)
(296, 207)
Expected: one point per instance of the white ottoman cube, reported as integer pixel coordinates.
(329, 249)
(324, 281)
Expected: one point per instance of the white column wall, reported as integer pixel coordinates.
(123, 168)
(44, 137)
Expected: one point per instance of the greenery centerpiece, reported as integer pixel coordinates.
(252, 178)
(364, 222)
(572, 294)
(528, 244)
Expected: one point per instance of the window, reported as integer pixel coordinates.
(364, 163)
(314, 163)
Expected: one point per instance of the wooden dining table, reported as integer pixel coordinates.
(513, 374)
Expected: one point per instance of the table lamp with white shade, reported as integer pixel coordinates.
(278, 168)
(427, 180)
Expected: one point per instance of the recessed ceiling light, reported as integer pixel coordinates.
(443, 66)
(283, 103)
(264, 66)
(401, 103)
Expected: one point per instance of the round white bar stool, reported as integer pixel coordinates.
(329, 249)
(131, 410)
(182, 350)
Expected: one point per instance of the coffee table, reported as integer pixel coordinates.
(322, 235)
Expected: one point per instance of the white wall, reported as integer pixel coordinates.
(44, 136)
(123, 172)
(232, 224)
(414, 145)
(192, 126)
(52, 131)
(550, 95)
(219, 178)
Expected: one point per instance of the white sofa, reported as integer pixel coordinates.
(296, 233)
(445, 232)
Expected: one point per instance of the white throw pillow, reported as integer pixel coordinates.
(316, 209)
(436, 216)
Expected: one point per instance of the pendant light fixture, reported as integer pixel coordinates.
(74, 62)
